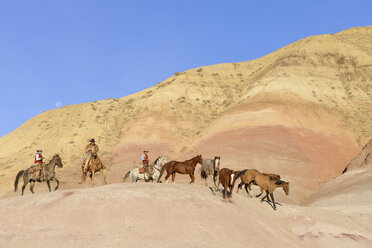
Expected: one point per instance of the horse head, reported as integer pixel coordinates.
(57, 160)
(286, 187)
(216, 163)
(199, 159)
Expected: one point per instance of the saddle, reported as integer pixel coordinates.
(33, 169)
(94, 160)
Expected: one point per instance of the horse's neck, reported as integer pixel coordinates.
(189, 160)
(158, 165)
(279, 185)
(194, 162)
(51, 165)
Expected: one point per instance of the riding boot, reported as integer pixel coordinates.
(86, 165)
(37, 175)
(42, 173)
(103, 165)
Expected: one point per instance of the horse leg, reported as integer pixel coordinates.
(212, 186)
(214, 179)
(24, 186)
(266, 196)
(246, 188)
(32, 184)
(166, 177)
(272, 198)
(239, 187)
(225, 191)
(92, 171)
(48, 183)
(57, 183)
(103, 175)
(231, 190)
(173, 177)
(191, 174)
(261, 193)
(218, 185)
(84, 176)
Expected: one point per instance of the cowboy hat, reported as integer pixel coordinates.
(39, 150)
(92, 140)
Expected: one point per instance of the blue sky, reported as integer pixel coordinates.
(74, 51)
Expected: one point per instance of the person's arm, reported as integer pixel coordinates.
(88, 149)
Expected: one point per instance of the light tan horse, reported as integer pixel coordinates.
(248, 177)
(269, 185)
(95, 165)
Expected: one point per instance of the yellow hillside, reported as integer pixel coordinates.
(303, 110)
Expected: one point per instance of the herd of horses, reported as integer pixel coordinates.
(210, 171)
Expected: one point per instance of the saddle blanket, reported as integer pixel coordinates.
(141, 170)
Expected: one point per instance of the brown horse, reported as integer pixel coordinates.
(269, 185)
(248, 176)
(227, 178)
(185, 167)
(94, 166)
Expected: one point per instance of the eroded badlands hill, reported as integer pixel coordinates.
(303, 111)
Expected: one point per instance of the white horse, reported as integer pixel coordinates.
(135, 175)
(210, 168)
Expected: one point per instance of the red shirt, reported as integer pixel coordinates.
(38, 158)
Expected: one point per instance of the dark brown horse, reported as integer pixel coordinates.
(185, 167)
(227, 178)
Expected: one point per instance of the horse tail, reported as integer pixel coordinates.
(126, 176)
(19, 174)
(203, 174)
(240, 173)
(162, 171)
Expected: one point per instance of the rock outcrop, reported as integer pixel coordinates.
(362, 160)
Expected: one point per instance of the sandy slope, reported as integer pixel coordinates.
(350, 194)
(160, 215)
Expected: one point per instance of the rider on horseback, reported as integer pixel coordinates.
(145, 162)
(39, 166)
(91, 150)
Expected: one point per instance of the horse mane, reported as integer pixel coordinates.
(240, 173)
(192, 158)
(279, 182)
(156, 161)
